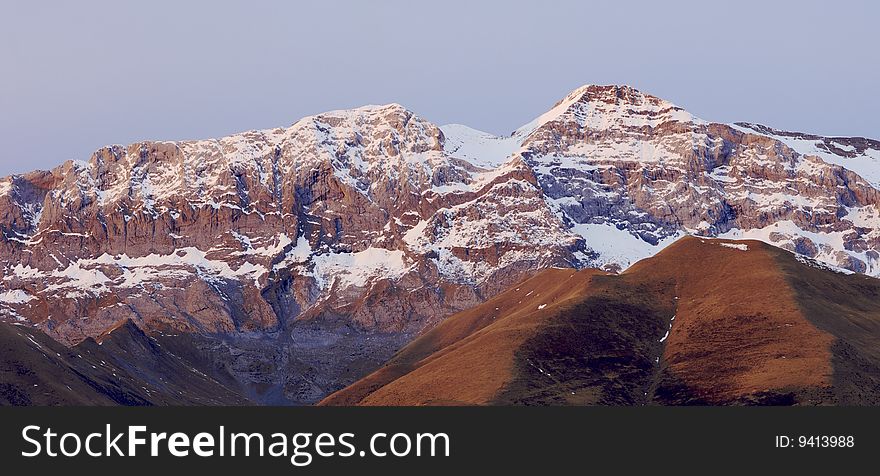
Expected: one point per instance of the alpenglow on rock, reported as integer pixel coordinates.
(382, 220)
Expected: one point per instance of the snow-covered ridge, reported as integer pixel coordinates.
(863, 159)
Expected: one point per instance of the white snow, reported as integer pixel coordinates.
(478, 147)
(867, 165)
(736, 246)
(867, 217)
(356, 269)
(82, 280)
(274, 248)
(820, 265)
(298, 254)
(5, 186)
(15, 296)
(550, 164)
(23, 272)
(599, 115)
(666, 335)
(830, 245)
(618, 246)
(87, 276)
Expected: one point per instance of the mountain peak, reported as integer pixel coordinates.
(618, 94)
(612, 94)
(389, 107)
(604, 106)
(376, 116)
(367, 110)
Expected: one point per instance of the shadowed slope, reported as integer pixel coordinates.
(468, 357)
(848, 307)
(127, 367)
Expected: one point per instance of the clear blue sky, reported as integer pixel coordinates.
(78, 75)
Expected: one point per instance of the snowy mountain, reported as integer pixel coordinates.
(378, 219)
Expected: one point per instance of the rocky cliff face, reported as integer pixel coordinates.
(374, 220)
(626, 169)
(250, 231)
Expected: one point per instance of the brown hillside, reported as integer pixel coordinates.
(747, 324)
(469, 357)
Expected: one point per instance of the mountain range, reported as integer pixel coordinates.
(284, 265)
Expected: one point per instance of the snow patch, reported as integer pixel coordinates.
(830, 246)
(478, 147)
(15, 296)
(357, 269)
(616, 246)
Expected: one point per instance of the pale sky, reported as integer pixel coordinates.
(79, 75)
